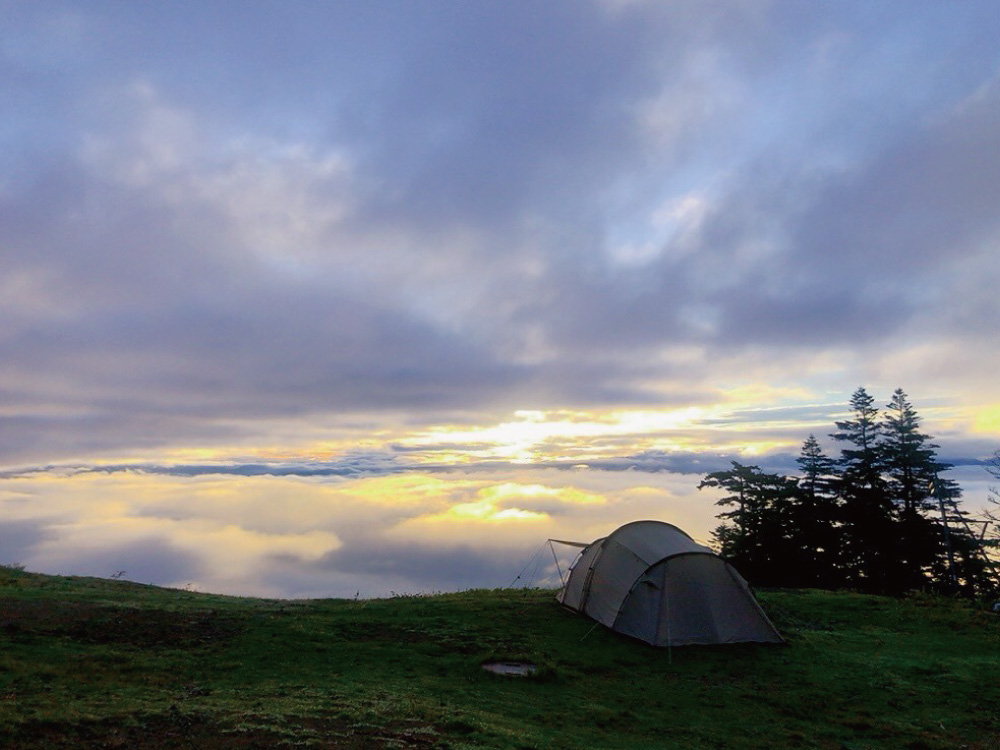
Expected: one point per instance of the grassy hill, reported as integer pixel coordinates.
(94, 663)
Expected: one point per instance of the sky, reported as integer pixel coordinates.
(349, 299)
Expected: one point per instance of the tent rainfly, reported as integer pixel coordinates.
(651, 581)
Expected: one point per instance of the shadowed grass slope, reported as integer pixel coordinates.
(89, 662)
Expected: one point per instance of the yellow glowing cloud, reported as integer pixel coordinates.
(534, 435)
(987, 420)
(759, 394)
(506, 491)
(761, 447)
(484, 510)
(240, 530)
(503, 502)
(407, 490)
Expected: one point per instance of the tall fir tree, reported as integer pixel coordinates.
(819, 471)
(911, 469)
(910, 458)
(816, 517)
(867, 514)
(863, 462)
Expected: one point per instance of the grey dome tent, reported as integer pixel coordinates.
(651, 581)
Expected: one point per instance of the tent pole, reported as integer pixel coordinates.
(558, 568)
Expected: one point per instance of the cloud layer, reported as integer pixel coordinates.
(316, 232)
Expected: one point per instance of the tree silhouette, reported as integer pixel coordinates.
(911, 463)
(816, 516)
(868, 553)
(758, 535)
(880, 517)
(911, 469)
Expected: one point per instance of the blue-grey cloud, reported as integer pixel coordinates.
(216, 213)
(153, 560)
(18, 539)
(416, 567)
(649, 462)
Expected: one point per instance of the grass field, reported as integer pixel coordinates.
(94, 663)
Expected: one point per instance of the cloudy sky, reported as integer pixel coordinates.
(307, 299)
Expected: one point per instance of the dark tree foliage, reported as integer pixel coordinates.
(879, 517)
(869, 554)
(819, 471)
(911, 463)
(816, 518)
(861, 464)
(756, 534)
(912, 469)
(964, 567)
(993, 502)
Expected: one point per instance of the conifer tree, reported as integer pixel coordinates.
(818, 470)
(757, 535)
(863, 462)
(867, 513)
(816, 517)
(879, 517)
(910, 459)
(739, 482)
(911, 468)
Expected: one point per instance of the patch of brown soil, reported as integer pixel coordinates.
(94, 623)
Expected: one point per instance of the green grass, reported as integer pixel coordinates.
(94, 663)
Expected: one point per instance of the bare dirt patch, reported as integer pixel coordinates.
(100, 624)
